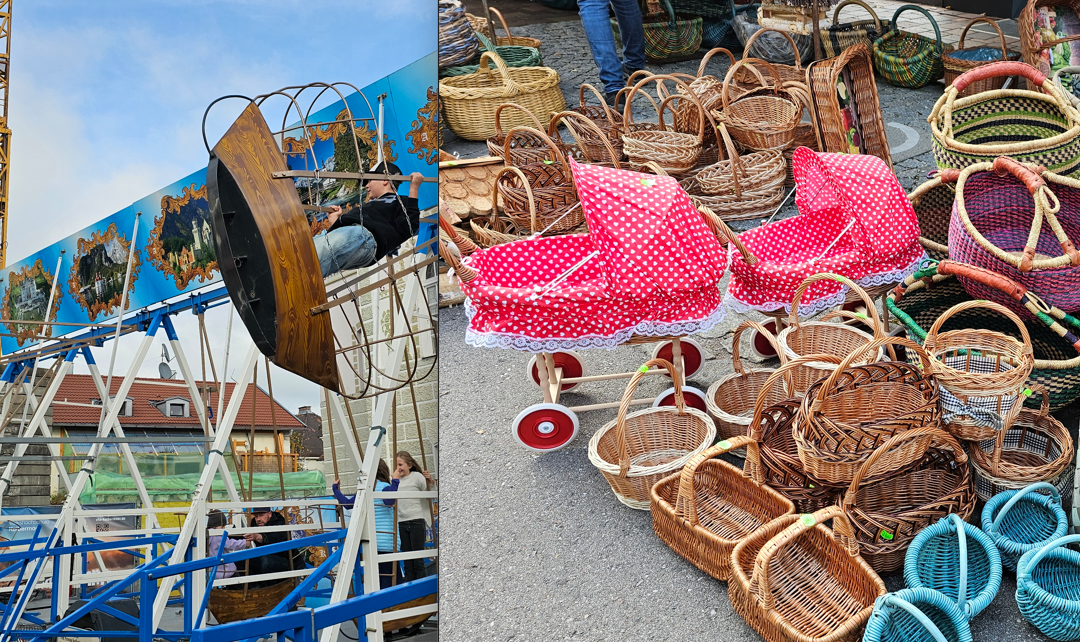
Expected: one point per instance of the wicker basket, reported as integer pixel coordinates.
(1046, 581)
(917, 615)
(525, 148)
(731, 399)
(989, 229)
(887, 514)
(539, 197)
(1067, 71)
(1041, 128)
(839, 36)
(1035, 448)
(667, 36)
(955, 66)
(957, 559)
(639, 449)
(1032, 44)
(673, 151)
(846, 418)
(591, 144)
(788, 73)
(511, 40)
(708, 89)
(608, 120)
(511, 55)
(457, 42)
(777, 456)
(759, 120)
(981, 373)
(933, 203)
(709, 506)
(907, 59)
(741, 187)
(1023, 520)
(929, 292)
(816, 337)
(827, 114)
(793, 581)
(469, 102)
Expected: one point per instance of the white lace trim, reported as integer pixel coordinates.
(606, 342)
(829, 302)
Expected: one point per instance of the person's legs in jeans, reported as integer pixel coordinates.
(387, 571)
(345, 248)
(594, 18)
(413, 534)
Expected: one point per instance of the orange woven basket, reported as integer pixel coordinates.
(761, 119)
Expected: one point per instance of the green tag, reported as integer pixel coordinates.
(648, 182)
(886, 535)
(808, 520)
(1028, 392)
(725, 444)
(451, 164)
(643, 369)
(549, 162)
(860, 315)
(811, 485)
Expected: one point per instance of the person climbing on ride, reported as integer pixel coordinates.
(360, 236)
(384, 523)
(412, 513)
(274, 562)
(216, 519)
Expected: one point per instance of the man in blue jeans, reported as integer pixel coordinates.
(361, 236)
(594, 17)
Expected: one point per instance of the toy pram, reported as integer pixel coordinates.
(647, 271)
(854, 219)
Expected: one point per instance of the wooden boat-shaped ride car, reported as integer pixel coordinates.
(234, 604)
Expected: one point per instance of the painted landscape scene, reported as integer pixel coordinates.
(97, 278)
(182, 241)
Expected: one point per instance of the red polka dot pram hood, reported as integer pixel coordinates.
(649, 266)
(854, 219)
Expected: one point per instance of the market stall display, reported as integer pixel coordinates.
(957, 559)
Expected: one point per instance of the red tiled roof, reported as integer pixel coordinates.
(80, 389)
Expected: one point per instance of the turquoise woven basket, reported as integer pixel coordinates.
(958, 560)
(917, 615)
(1022, 520)
(1048, 589)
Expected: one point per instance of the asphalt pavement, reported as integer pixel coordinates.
(536, 547)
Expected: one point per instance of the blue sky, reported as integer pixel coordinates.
(107, 98)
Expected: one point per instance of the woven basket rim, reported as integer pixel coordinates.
(937, 124)
(821, 365)
(644, 471)
(710, 396)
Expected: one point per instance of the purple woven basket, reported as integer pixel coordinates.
(1001, 209)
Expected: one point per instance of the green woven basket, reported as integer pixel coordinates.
(907, 59)
(512, 55)
(929, 292)
(667, 36)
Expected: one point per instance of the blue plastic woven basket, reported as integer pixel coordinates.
(1021, 520)
(917, 615)
(1048, 589)
(957, 559)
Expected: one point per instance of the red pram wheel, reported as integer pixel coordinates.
(545, 427)
(759, 345)
(691, 396)
(571, 364)
(692, 354)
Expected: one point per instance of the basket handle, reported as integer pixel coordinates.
(733, 237)
(939, 435)
(631, 90)
(759, 580)
(628, 396)
(836, 13)
(464, 244)
(736, 358)
(1018, 496)
(932, 336)
(610, 115)
(948, 175)
(730, 76)
(499, 15)
(933, 23)
(996, 70)
(1004, 45)
(892, 599)
(961, 539)
(982, 275)
(685, 504)
(465, 273)
(1025, 575)
(999, 439)
(659, 79)
(510, 88)
(498, 117)
(737, 166)
(1046, 205)
(871, 309)
(572, 120)
(786, 35)
(909, 345)
(710, 54)
(861, 318)
(528, 193)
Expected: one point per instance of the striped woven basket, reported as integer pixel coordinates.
(907, 59)
(667, 36)
(933, 203)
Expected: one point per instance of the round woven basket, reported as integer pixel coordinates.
(709, 506)
(933, 203)
(469, 102)
(887, 514)
(457, 42)
(906, 59)
(608, 120)
(591, 145)
(639, 449)
(740, 187)
(845, 418)
(525, 148)
(733, 398)
(981, 373)
(957, 559)
(760, 119)
(1023, 520)
(674, 151)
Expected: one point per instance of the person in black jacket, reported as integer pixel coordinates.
(362, 235)
(274, 562)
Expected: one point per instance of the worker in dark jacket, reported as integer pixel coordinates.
(362, 235)
(274, 562)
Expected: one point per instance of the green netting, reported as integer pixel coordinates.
(106, 486)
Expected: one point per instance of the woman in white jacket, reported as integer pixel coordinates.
(412, 514)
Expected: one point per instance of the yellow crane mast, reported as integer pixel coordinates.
(5, 133)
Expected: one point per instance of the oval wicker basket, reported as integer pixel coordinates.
(639, 449)
(981, 373)
(673, 151)
(732, 399)
(845, 419)
(469, 102)
(709, 506)
(740, 187)
(955, 66)
(760, 119)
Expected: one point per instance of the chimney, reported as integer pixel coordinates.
(304, 410)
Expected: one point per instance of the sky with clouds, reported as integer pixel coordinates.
(107, 99)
